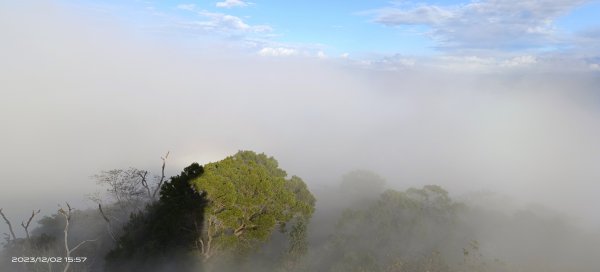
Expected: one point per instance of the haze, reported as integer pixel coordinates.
(83, 91)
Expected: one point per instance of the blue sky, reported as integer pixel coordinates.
(377, 30)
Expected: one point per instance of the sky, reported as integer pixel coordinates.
(497, 96)
(506, 33)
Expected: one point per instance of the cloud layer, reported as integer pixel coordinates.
(489, 24)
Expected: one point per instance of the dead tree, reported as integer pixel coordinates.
(12, 233)
(68, 250)
(23, 224)
(123, 185)
(108, 224)
(26, 226)
(162, 177)
(144, 181)
(132, 186)
(142, 174)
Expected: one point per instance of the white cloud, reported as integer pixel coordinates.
(489, 24)
(278, 52)
(466, 63)
(419, 15)
(390, 63)
(321, 55)
(189, 7)
(231, 4)
(595, 67)
(519, 61)
(475, 64)
(345, 55)
(220, 22)
(225, 21)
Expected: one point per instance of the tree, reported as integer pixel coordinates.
(26, 225)
(12, 233)
(20, 246)
(166, 232)
(130, 188)
(227, 206)
(124, 186)
(248, 196)
(66, 213)
(401, 231)
(53, 236)
(362, 183)
(359, 187)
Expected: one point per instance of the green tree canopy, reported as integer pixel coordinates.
(401, 231)
(362, 184)
(248, 196)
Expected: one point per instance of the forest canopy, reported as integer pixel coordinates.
(244, 213)
(227, 207)
(247, 196)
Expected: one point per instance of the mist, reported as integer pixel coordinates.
(82, 92)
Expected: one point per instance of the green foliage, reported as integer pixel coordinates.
(305, 201)
(415, 230)
(228, 206)
(248, 197)
(166, 232)
(362, 184)
(401, 231)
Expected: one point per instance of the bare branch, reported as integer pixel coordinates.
(9, 225)
(132, 187)
(67, 215)
(126, 186)
(108, 225)
(162, 177)
(142, 175)
(83, 242)
(26, 226)
(102, 213)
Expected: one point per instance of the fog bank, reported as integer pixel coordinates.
(82, 93)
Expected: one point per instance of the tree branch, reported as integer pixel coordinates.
(108, 225)
(83, 242)
(162, 178)
(9, 225)
(142, 175)
(26, 226)
(243, 227)
(209, 237)
(67, 215)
